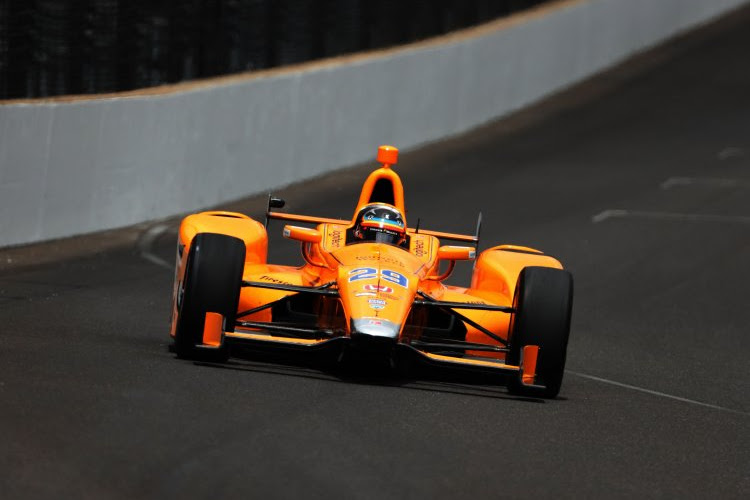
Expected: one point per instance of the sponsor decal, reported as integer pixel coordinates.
(368, 273)
(386, 260)
(419, 248)
(274, 280)
(287, 233)
(377, 304)
(375, 322)
(381, 294)
(378, 288)
(335, 238)
(472, 254)
(389, 296)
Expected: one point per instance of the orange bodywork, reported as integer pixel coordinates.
(212, 329)
(378, 285)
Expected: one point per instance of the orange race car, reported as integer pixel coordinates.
(372, 285)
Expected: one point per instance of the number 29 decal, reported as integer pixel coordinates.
(368, 273)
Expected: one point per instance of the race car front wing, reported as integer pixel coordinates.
(261, 334)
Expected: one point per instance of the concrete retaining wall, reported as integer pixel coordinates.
(75, 167)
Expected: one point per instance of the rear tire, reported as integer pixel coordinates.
(543, 301)
(212, 282)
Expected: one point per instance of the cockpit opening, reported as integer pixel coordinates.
(382, 192)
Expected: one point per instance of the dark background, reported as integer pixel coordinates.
(56, 47)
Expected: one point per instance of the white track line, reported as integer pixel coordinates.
(656, 393)
(618, 213)
(608, 214)
(704, 181)
(728, 153)
(146, 241)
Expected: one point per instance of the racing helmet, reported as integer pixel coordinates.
(380, 223)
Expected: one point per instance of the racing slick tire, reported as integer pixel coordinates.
(543, 300)
(212, 282)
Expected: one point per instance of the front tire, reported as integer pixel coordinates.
(543, 301)
(212, 282)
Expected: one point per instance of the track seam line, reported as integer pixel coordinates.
(657, 393)
(668, 216)
(146, 241)
(703, 182)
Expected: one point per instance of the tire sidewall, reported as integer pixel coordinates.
(543, 304)
(211, 283)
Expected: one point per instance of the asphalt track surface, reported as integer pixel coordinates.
(639, 181)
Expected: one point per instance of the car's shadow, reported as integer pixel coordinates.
(410, 375)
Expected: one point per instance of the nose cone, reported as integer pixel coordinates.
(375, 327)
(374, 333)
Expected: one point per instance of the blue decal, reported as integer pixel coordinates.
(362, 273)
(394, 277)
(368, 273)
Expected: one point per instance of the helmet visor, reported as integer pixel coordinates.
(378, 235)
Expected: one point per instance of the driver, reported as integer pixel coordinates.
(380, 223)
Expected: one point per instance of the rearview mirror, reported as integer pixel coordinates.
(274, 202)
(451, 252)
(303, 234)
